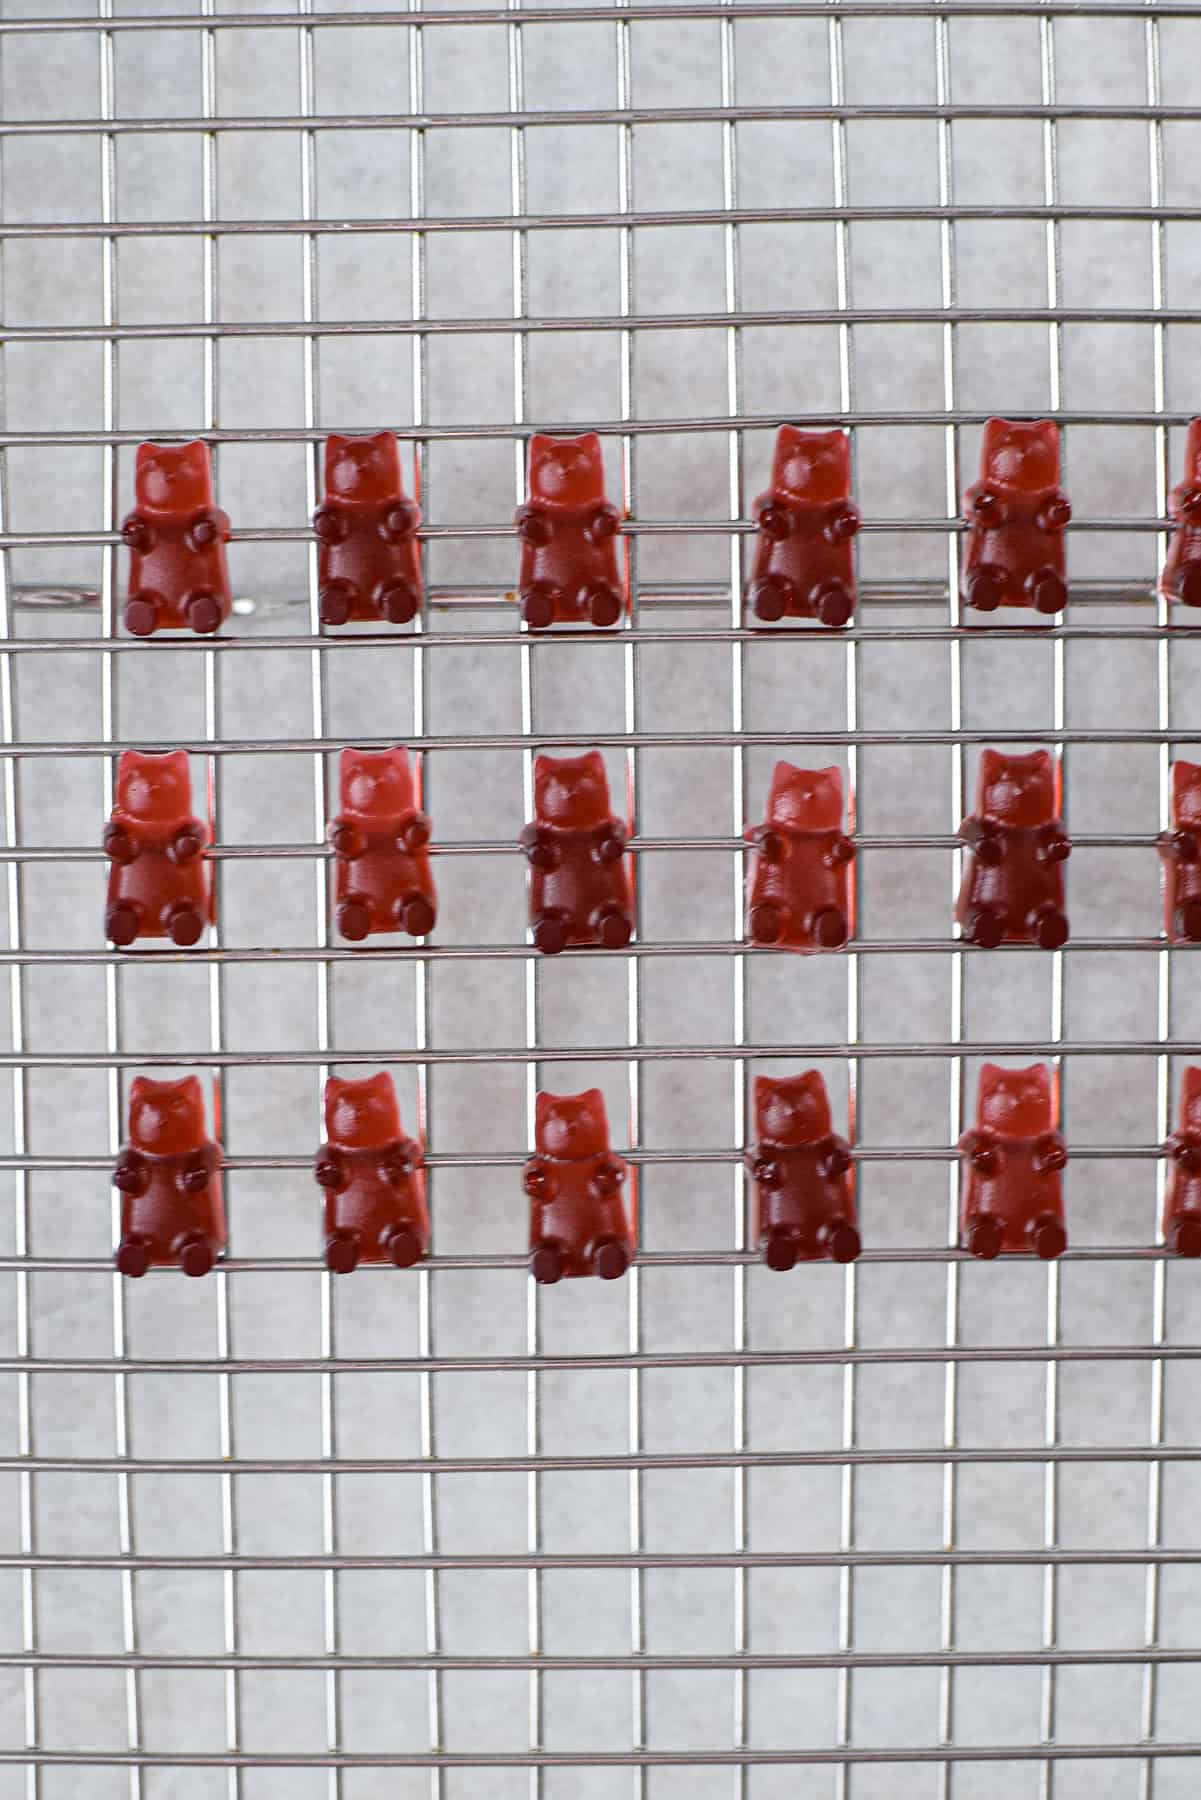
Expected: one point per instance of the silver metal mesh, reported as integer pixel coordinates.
(915, 1527)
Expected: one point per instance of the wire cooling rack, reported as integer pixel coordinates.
(915, 1527)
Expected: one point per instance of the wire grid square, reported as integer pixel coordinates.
(748, 1549)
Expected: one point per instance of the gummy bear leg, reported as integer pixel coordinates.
(538, 605)
(196, 1254)
(342, 1252)
(1047, 590)
(1188, 585)
(396, 601)
(986, 928)
(832, 603)
(1048, 1237)
(354, 919)
(547, 1263)
(780, 1250)
(844, 1242)
(610, 1259)
(604, 606)
(1050, 928)
(415, 914)
(1184, 1236)
(550, 933)
(771, 597)
(1186, 921)
(613, 926)
(133, 1256)
(403, 1246)
(202, 609)
(830, 927)
(765, 922)
(141, 614)
(984, 587)
(121, 922)
(335, 602)
(184, 924)
(984, 1237)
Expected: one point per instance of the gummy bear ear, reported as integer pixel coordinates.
(1186, 776)
(784, 779)
(591, 1107)
(141, 1088)
(1048, 431)
(996, 434)
(992, 1077)
(190, 1090)
(993, 764)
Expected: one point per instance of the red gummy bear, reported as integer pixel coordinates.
(1011, 1198)
(1017, 514)
(380, 837)
(1180, 857)
(1012, 891)
(579, 887)
(799, 892)
(1181, 577)
(804, 566)
(1182, 1197)
(177, 536)
(169, 1174)
(373, 1176)
(369, 563)
(578, 1224)
(804, 1188)
(160, 883)
(568, 534)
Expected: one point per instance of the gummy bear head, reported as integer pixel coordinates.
(812, 465)
(1016, 790)
(571, 1126)
(173, 479)
(793, 1111)
(1019, 1103)
(361, 1115)
(154, 789)
(571, 791)
(567, 471)
(1190, 1100)
(376, 784)
(1186, 793)
(1021, 455)
(805, 799)
(362, 468)
(166, 1118)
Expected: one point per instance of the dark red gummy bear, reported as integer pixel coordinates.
(380, 837)
(1180, 857)
(1011, 1198)
(160, 881)
(1182, 1196)
(799, 889)
(1012, 891)
(804, 1188)
(1017, 514)
(177, 537)
(1181, 577)
(578, 1222)
(579, 887)
(169, 1174)
(369, 561)
(804, 565)
(568, 531)
(373, 1176)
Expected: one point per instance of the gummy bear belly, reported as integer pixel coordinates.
(153, 883)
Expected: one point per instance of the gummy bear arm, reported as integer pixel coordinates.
(219, 519)
(412, 1153)
(539, 846)
(131, 1175)
(187, 841)
(330, 1169)
(537, 1179)
(119, 844)
(618, 829)
(415, 833)
(345, 837)
(1184, 1147)
(836, 1155)
(1181, 846)
(1054, 841)
(976, 831)
(196, 1170)
(1050, 1145)
(977, 1137)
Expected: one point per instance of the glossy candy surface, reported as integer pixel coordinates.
(1017, 514)
(799, 888)
(1011, 1195)
(160, 882)
(804, 565)
(373, 1177)
(1181, 577)
(379, 839)
(801, 1169)
(176, 536)
(1012, 889)
(568, 530)
(369, 560)
(169, 1176)
(579, 885)
(1180, 857)
(1182, 1195)
(578, 1221)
